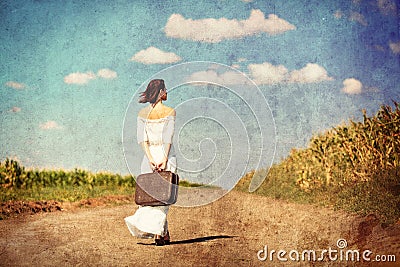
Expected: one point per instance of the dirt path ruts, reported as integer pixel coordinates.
(228, 232)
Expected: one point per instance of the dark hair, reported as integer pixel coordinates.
(152, 91)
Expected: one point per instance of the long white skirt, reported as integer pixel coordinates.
(149, 221)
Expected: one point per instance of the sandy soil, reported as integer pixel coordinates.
(228, 232)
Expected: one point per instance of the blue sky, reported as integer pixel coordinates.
(69, 70)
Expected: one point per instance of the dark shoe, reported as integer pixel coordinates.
(167, 239)
(159, 240)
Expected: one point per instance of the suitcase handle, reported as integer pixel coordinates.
(158, 170)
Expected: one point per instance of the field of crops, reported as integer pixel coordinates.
(18, 183)
(351, 153)
(354, 166)
(13, 175)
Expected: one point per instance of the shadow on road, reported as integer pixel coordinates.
(193, 240)
(200, 239)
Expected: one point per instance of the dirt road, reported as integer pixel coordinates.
(228, 232)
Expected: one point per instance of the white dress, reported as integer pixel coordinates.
(149, 221)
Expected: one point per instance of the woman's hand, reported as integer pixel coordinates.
(153, 165)
(163, 165)
(145, 147)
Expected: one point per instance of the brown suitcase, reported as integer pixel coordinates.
(157, 188)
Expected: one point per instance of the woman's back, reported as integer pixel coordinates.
(156, 125)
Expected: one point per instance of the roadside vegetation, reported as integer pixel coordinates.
(354, 167)
(20, 184)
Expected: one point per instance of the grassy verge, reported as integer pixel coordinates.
(63, 194)
(353, 167)
(379, 196)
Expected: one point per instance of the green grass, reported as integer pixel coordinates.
(64, 194)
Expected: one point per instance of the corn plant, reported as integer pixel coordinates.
(12, 174)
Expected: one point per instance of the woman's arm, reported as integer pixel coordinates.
(145, 147)
(163, 164)
(167, 139)
(143, 140)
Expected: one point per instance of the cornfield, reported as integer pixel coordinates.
(18, 183)
(350, 153)
(15, 176)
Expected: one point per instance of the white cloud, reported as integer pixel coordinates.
(352, 86)
(79, 78)
(235, 66)
(215, 30)
(15, 109)
(153, 55)
(311, 73)
(358, 17)
(49, 125)
(211, 76)
(338, 14)
(15, 85)
(379, 48)
(395, 47)
(352, 16)
(387, 7)
(107, 74)
(266, 73)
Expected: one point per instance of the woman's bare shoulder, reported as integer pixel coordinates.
(169, 111)
(154, 114)
(144, 112)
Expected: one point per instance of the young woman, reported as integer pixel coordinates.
(155, 129)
